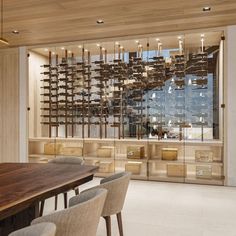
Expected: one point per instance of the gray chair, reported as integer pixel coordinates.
(42, 229)
(63, 160)
(117, 186)
(82, 216)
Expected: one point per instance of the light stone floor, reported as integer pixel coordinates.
(164, 209)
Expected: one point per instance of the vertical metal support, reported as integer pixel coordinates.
(50, 94)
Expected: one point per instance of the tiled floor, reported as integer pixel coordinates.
(163, 209)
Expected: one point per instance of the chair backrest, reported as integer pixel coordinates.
(117, 186)
(82, 218)
(41, 229)
(67, 160)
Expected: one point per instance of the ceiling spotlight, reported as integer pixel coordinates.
(86, 50)
(121, 47)
(202, 35)
(15, 32)
(100, 21)
(103, 49)
(53, 53)
(46, 49)
(98, 45)
(157, 39)
(69, 51)
(136, 41)
(62, 48)
(79, 46)
(179, 37)
(116, 43)
(207, 8)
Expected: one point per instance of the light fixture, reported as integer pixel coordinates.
(15, 31)
(2, 40)
(103, 49)
(86, 50)
(98, 45)
(69, 51)
(62, 48)
(116, 43)
(179, 37)
(53, 53)
(121, 47)
(45, 49)
(79, 46)
(157, 39)
(100, 21)
(206, 8)
(202, 35)
(136, 41)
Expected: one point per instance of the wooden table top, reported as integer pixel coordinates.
(24, 184)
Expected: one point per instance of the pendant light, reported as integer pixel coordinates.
(2, 40)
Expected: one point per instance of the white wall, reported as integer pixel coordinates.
(230, 96)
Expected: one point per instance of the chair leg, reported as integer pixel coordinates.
(65, 199)
(76, 191)
(119, 220)
(41, 208)
(56, 199)
(108, 224)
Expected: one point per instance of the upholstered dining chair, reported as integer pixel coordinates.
(41, 229)
(117, 186)
(63, 160)
(82, 216)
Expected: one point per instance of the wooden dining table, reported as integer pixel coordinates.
(24, 185)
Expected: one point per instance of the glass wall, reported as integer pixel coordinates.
(148, 105)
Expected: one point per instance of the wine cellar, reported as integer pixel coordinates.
(150, 106)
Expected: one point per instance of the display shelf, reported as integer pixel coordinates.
(150, 167)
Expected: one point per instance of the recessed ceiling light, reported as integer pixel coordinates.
(136, 41)
(121, 47)
(62, 48)
(100, 21)
(46, 49)
(79, 46)
(98, 45)
(53, 53)
(157, 39)
(116, 43)
(69, 51)
(15, 32)
(202, 35)
(207, 8)
(179, 37)
(103, 49)
(86, 50)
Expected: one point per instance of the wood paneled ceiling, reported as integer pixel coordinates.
(52, 21)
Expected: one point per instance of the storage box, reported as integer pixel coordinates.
(72, 151)
(91, 162)
(204, 172)
(52, 148)
(169, 154)
(104, 152)
(106, 167)
(135, 152)
(133, 167)
(203, 156)
(176, 170)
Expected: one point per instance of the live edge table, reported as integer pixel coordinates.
(24, 185)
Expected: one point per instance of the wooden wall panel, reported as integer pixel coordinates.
(9, 105)
(35, 128)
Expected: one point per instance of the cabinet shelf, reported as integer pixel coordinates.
(187, 162)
